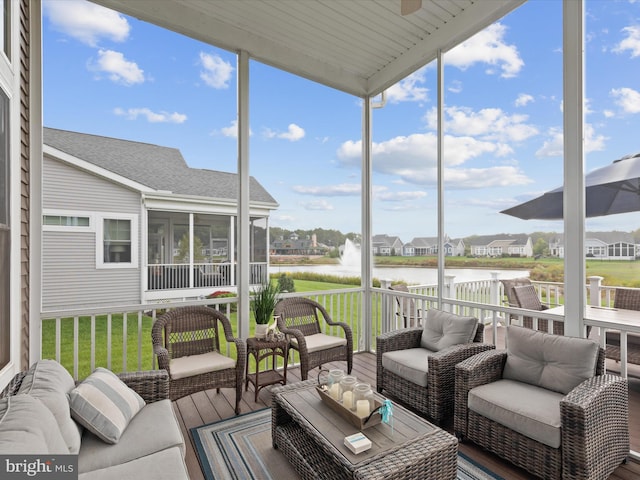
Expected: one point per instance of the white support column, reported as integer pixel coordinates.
(243, 278)
(366, 270)
(440, 162)
(574, 196)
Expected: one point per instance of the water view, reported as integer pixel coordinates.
(350, 267)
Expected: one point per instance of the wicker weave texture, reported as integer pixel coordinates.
(192, 331)
(628, 299)
(151, 385)
(297, 317)
(594, 424)
(433, 456)
(436, 400)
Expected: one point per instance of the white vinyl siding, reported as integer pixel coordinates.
(70, 274)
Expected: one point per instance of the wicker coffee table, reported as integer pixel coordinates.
(311, 436)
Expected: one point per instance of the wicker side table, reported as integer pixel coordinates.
(261, 349)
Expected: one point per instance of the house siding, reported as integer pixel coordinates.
(70, 278)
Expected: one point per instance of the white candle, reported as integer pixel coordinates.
(334, 391)
(347, 399)
(362, 408)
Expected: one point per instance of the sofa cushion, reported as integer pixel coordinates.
(191, 365)
(27, 426)
(320, 341)
(136, 441)
(410, 364)
(104, 404)
(443, 329)
(532, 411)
(165, 465)
(50, 382)
(549, 361)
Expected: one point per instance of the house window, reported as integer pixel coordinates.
(117, 241)
(5, 25)
(65, 221)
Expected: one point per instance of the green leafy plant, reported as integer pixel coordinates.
(264, 301)
(285, 283)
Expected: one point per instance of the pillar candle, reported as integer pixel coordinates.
(334, 391)
(347, 399)
(362, 408)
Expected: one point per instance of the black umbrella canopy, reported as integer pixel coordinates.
(608, 190)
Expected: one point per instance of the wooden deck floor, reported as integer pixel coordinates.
(207, 407)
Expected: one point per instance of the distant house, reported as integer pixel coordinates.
(298, 246)
(129, 222)
(602, 245)
(501, 245)
(424, 246)
(385, 245)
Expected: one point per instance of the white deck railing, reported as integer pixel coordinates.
(118, 337)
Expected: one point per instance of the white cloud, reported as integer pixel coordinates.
(487, 46)
(523, 99)
(340, 190)
(293, 133)
(627, 99)
(151, 116)
(413, 160)
(231, 131)
(455, 86)
(86, 21)
(554, 145)
(118, 69)
(216, 72)
(631, 42)
(487, 124)
(385, 195)
(317, 205)
(409, 89)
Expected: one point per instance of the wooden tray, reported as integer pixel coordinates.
(347, 414)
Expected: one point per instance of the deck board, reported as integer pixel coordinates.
(208, 407)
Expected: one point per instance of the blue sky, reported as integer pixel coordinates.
(112, 75)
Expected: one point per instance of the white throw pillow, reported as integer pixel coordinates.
(104, 405)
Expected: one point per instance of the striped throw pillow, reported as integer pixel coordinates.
(104, 405)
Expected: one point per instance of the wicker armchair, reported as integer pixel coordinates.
(435, 400)
(299, 318)
(581, 434)
(186, 341)
(628, 299)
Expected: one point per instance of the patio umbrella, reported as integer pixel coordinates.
(609, 190)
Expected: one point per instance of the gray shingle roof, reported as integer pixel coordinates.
(159, 168)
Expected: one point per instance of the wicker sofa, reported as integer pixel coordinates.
(545, 405)
(423, 378)
(36, 419)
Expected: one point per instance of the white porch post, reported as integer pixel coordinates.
(243, 195)
(440, 167)
(366, 270)
(574, 196)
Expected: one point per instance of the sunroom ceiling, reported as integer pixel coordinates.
(361, 47)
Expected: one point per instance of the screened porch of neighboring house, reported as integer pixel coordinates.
(194, 252)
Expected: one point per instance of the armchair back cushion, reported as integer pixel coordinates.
(443, 329)
(549, 361)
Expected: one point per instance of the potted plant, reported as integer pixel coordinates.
(262, 305)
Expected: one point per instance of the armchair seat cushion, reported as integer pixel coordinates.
(410, 364)
(190, 365)
(320, 341)
(529, 410)
(553, 362)
(444, 329)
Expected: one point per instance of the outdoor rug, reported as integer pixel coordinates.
(240, 448)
